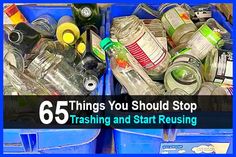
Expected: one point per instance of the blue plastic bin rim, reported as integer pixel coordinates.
(145, 132)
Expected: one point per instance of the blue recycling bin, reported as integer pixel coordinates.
(36, 141)
(146, 141)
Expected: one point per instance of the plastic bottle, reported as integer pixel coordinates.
(185, 73)
(67, 31)
(128, 71)
(177, 22)
(14, 14)
(51, 68)
(209, 35)
(140, 42)
(218, 67)
(46, 25)
(93, 57)
(24, 37)
(87, 15)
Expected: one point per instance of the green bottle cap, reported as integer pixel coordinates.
(106, 43)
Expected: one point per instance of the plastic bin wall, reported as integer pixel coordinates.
(144, 141)
(79, 141)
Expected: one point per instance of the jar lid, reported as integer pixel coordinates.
(68, 37)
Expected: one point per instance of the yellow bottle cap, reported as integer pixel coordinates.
(81, 48)
(68, 37)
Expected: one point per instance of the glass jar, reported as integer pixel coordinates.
(177, 22)
(46, 25)
(207, 88)
(145, 48)
(21, 83)
(223, 91)
(208, 36)
(218, 67)
(185, 73)
(68, 52)
(60, 75)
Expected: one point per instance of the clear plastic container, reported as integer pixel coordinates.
(176, 91)
(59, 75)
(128, 71)
(177, 22)
(46, 25)
(208, 36)
(185, 73)
(142, 44)
(218, 67)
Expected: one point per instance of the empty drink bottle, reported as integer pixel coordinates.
(46, 25)
(93, 57)
(51, 68)
(87, 15)
(142, 44)
(24, 37)
(128, 71)
(177, 22)
(67, 31)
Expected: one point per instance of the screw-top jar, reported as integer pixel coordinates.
(185, 72)
(59, 74)
(219, 67)
(177, 22)
(145, 48)
(208, 36)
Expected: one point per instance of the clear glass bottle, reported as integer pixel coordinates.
(51, 68)
(218, 67)
(46, 25)
(128, 71)
(177, 22)
(208, 36)
(185, 72)
(142, 44)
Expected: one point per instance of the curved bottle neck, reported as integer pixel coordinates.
(16, 37)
